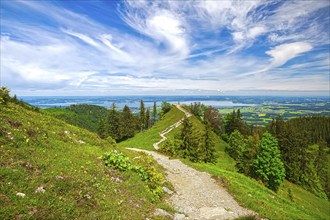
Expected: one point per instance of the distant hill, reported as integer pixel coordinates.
(82, 115)
(52, 170)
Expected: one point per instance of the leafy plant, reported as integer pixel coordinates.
(147, 171)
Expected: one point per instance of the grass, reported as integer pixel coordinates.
(254, 195)
(146, 139)
(39, 151)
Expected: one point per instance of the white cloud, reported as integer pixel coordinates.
(178, 45)
(285, 52)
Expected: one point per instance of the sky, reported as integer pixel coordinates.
(165, 47)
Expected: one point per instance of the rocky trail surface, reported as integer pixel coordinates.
(197, 194)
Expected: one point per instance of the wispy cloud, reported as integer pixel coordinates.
(165, 46)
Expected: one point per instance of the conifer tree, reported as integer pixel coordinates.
(142, 116)
(236, 145)
(127, 124)
(148, 120)
(154, 113)
(102, 129)
(268, 166)
(113, 123)
(187, 137)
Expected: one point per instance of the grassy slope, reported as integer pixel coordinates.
(255, 196)
(83, 115)
(146, 139)
(37, 150)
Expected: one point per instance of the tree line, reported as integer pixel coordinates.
(122, 124)
(296, 149)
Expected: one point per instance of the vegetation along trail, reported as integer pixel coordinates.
(169, 129)
(197, 195)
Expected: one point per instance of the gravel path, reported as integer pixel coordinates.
(197, 195)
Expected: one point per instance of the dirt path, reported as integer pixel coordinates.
(197, 195)
(169, 129)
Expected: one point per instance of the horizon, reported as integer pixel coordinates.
(176, 48)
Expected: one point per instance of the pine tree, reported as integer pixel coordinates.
(187, 137)
(154, 113)
(268, 166)
(148, 120)
(142, 116)
(113, 123)
(236, 145)
(127, 124)
(102, 129)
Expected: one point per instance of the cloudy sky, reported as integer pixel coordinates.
(165, 47)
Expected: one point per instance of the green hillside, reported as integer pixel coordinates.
(247, 191)
(83, 115)
(146, 139)
(52, 170)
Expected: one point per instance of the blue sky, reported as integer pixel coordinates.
(165, 47)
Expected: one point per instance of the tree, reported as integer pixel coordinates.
(197, 109)
(113, 123)
(102, 129)
(268, 166)
(154, 113)
(234, 122)
(166, 107)
(213, 119)
(148, 120)
(127, 123)
(142, 116)
(244, 162)
(236, 145)
(209, 149)
(187, 137)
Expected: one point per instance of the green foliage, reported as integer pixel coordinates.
(237, 145)
(143, 117)
(234, 122)
(255, 196)
(244, 163)
(146, 139)
(127, 124)
(209, 145)
(4, 95)
(82, 115)
(298, 141)
(193, 142)
(197, 109)
(148, 119)
(154, 113)
(165, 107)
(113, 124)
(268, 166)
(155, 180)
(147, 171)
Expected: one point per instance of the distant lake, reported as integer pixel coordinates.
(132, 101)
